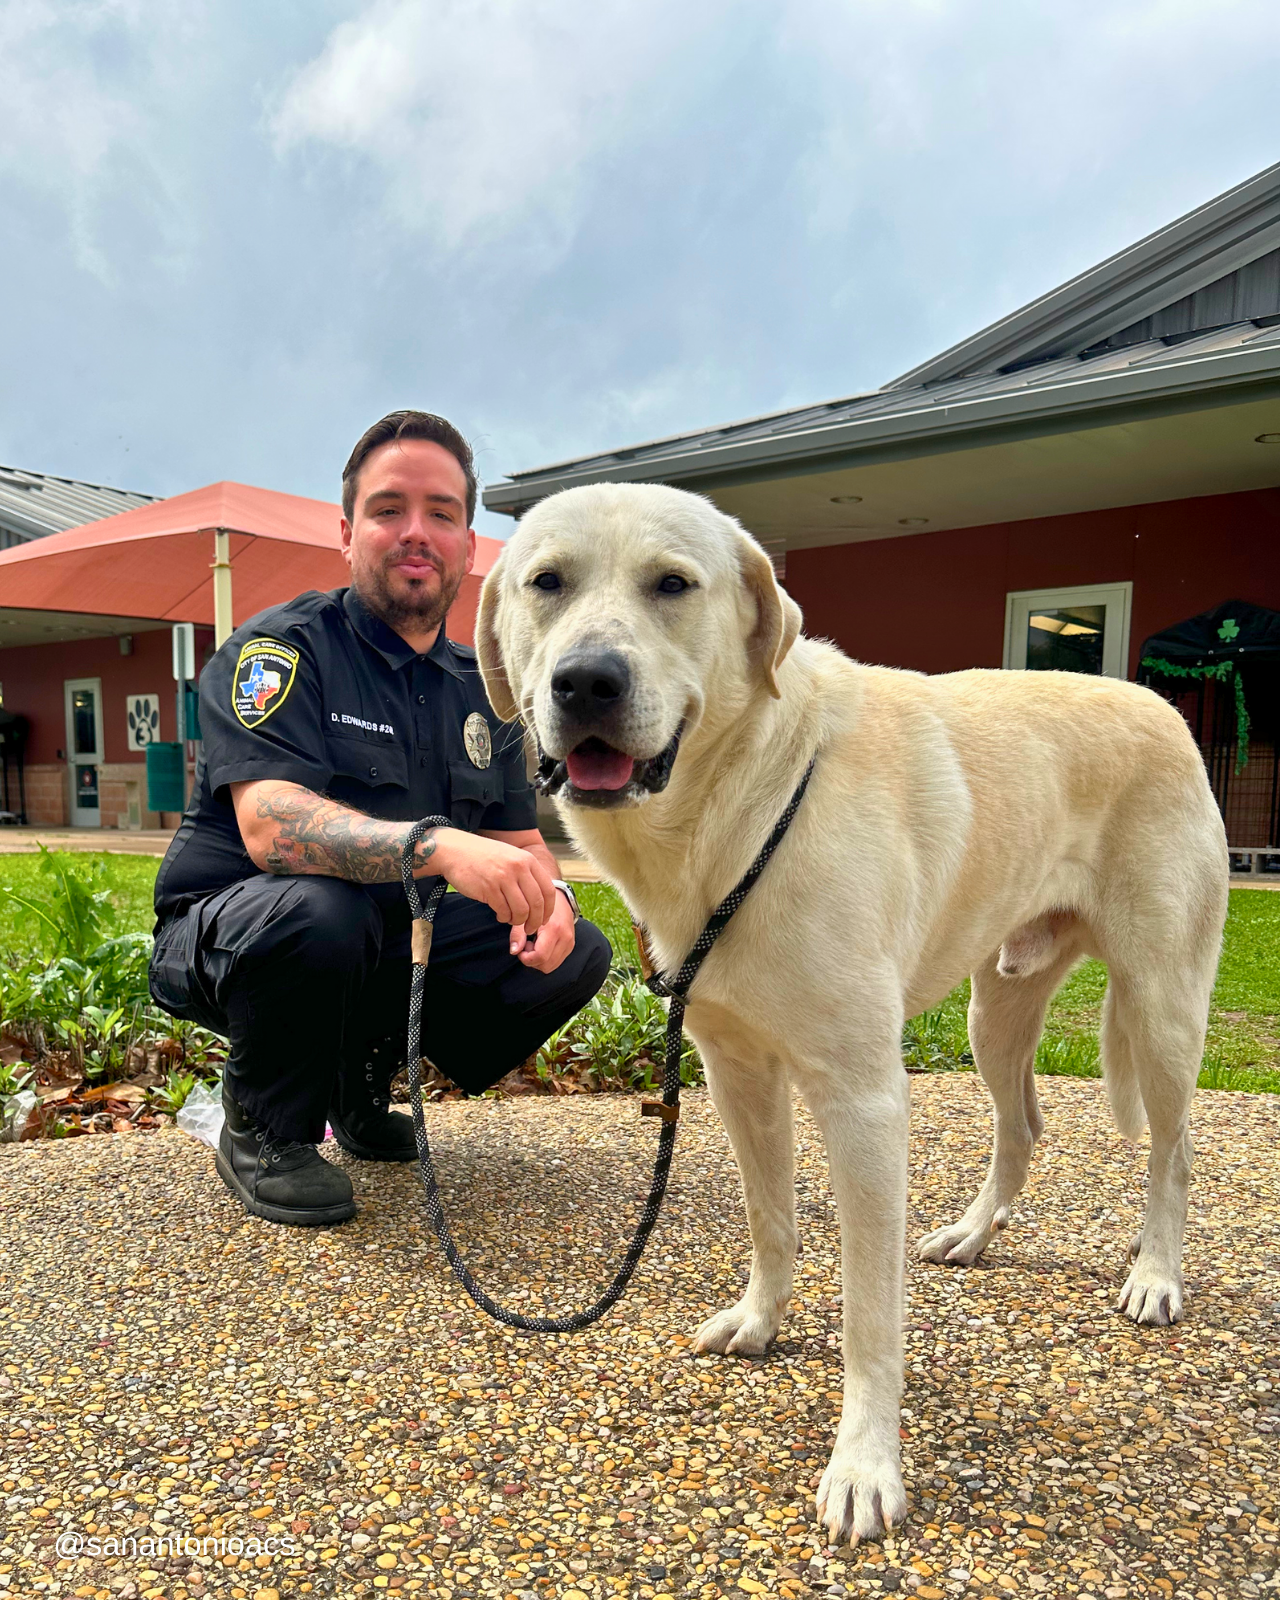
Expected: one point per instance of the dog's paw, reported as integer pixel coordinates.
(963, 1242)
(737, 1331)
(861, 1496)
(1151, 1296)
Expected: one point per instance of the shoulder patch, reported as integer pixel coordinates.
(263, 677)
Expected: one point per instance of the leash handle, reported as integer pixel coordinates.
(423, 912)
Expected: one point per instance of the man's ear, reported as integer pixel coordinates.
(778, 617)
(488, 650)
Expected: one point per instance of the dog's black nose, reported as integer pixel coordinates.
(588, 684)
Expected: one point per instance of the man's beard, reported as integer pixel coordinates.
(418, 609)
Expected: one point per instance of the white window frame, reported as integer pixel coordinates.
(1116, 597)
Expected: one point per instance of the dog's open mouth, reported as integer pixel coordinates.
(598, 774)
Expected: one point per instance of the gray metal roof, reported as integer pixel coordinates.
(33, 504)
(1054, 359)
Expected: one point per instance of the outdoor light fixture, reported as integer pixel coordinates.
(1267, 438)
(912, 522)
(846, 499)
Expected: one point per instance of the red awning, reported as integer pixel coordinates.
(155, 562)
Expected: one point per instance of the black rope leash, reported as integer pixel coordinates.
(668, 1108)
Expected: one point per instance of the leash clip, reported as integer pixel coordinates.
(659, 1108)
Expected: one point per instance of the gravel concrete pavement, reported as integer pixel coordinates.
(170, 1367)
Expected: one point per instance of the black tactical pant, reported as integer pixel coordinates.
(301, 974)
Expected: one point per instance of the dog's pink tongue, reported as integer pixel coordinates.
(599, 769)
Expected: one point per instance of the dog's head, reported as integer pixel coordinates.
(620, 617)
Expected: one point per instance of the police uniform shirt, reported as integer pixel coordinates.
(322, 693)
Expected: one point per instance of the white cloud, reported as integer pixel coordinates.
(490, 119)
(71, 121)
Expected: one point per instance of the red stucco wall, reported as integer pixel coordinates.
(936, 601)
(33, 678)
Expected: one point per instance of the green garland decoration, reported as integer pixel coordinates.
(1220, 672)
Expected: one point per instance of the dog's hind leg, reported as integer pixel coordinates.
(754, 1102)
(1006, 1015)
(1163, 1025)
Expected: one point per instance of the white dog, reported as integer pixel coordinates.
(1001, 824)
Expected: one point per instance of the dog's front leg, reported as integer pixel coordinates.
(753, 1098)
(864, 1128)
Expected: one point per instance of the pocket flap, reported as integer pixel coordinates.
(484, 785)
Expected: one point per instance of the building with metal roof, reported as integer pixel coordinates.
(1111, 449)
(33, 504)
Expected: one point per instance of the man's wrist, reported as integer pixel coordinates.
(569, 895)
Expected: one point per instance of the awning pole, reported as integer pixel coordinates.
(222, 625)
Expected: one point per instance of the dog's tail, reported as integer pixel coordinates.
(1121, 1076)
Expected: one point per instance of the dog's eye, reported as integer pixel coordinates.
(673, 583)
(547, 581)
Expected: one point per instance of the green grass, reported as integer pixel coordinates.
(1242, 1050)
(131, 880)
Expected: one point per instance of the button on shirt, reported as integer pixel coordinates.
(322, 693)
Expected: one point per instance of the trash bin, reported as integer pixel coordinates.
(166, 777)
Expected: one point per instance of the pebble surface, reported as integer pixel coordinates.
(170, 1367)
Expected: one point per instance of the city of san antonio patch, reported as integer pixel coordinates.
(263, 677)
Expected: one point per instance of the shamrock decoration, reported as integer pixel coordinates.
(1228, 630)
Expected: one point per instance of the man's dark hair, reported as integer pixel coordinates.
(409, 425)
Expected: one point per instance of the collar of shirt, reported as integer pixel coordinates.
(387, 642)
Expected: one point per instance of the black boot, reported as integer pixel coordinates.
(279, 1179)
(361, 1116)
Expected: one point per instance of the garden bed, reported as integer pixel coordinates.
(83, 1050)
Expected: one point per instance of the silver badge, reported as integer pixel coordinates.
(475, 735)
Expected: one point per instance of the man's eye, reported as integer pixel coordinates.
(673, 583)
(547, 581)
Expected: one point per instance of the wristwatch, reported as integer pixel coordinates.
(569, 895)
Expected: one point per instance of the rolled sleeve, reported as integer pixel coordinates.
(286, 744)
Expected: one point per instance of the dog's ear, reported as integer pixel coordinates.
(778, 617)
(489, 652)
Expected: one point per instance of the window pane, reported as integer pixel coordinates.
(87, 788)
(84, 719)
(1066, 640)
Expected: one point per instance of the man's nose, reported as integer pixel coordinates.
(589, 684)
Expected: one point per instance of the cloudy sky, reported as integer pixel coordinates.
(235, 233)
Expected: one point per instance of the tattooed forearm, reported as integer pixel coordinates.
(305, 833)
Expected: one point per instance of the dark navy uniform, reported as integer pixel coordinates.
(304, 973)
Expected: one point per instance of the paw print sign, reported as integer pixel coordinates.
(144, 720)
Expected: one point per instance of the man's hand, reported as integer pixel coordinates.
(554, 942)
(511, 881)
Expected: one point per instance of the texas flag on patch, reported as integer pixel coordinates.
(263, 677)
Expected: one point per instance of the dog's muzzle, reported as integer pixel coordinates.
(588, 775)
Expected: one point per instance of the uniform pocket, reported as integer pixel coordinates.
(368, 762)
(471, 791)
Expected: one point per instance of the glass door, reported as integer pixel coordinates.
(84, 749)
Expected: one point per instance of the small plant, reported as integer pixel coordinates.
(937, 1041)
(12, 1081)
(617, 1041)
(172, 1094)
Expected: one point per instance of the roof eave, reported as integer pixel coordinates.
(929, 425)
